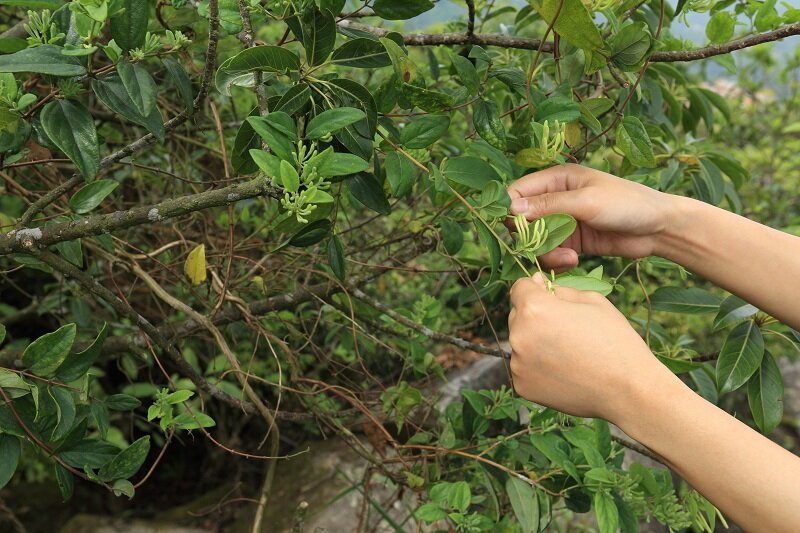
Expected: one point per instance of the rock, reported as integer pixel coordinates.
(328, 478)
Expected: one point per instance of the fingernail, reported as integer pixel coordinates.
(538, 278)
(519, 206)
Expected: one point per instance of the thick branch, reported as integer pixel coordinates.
(725, 48)
(526, 43)
(449, 39)
(22, 240)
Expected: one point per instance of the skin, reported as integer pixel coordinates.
(583, 357)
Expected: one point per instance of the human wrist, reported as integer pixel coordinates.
(649, 401)
(678, 235)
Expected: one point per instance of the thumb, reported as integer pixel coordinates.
(533, 207)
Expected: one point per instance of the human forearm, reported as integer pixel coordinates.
(757, 263)
(751, 479)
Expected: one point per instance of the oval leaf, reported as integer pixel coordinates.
(70, 126)
(44, 355)
(740, 357)
(91, 195)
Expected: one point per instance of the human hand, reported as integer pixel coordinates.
(615, 216)
(574, 351)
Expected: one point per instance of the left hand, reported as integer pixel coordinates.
(574, 351)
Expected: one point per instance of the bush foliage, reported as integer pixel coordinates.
(273, 210)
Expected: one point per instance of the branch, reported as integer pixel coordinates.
(470, 18)
(526, 43)
(22, 240)
(428, 332)
(449, 39)
(725, 48)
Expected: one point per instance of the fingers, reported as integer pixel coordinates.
(561, 259)
(533, 289)
(528, 289)
(550, 180)
(533, 207)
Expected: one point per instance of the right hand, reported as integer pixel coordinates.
(615, 216)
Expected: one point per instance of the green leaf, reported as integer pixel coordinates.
(289, 177)
(489, 242)
(122, 402)
(361, 53)
(452, 235)
(720, 27)
(343, 165)
(318, 34)
(556, 450)
(139, 86)
(13, 384)
(44, 59)
(294, 100)
(365, 188)
(631, 46)
(740, 356)
(691, 301)
(65, 482)
(77, 364)
(256, 59)
(574, 24)
(127, 462)
(422, 132)
(358, 137)
(427, 99)
(91, 195)
(606, 511)
(65, 411)
(732, 310)
(193, 420)
(709, 183)
(311, 234)
(558, 108)
(332, 121)
(399, 173)
(525, 504)
(89, 452)
(123, 487)
(467, 73)
(336, 261)
(430, 512)
(459, 496)
(129, 27)
(488, 124)
(44, 355)
(471, 171)
(586, 283)
(559, 228)
(9, 457)
(70, 126)
(179, 396)
(634, 142)
(2, 333)
(110, 90)
(181, 80)
(764, 394)
(277, 130)
(394, 10)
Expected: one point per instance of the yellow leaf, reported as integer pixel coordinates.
(573, 133)
(195, 265)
